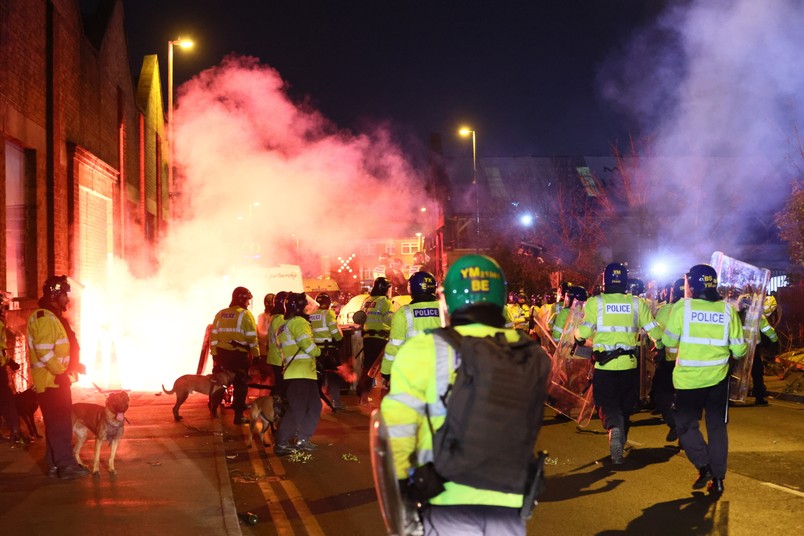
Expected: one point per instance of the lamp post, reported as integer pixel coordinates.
(466, 131)
(183, 43)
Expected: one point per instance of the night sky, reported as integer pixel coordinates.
(524, 74)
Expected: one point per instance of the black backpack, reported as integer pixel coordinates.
(494, 412)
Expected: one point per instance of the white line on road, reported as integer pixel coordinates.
(782, 488)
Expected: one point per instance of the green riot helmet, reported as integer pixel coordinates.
(615, 279)
(474, 279)
(702, 279)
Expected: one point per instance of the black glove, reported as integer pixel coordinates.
(13, 365)
(63, 379)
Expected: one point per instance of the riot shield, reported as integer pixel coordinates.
(541, 330)
(569, 390)
(743, 286)
(385, 481)
(202, 359)
(647, 367)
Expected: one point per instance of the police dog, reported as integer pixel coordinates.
(106, 422)
(27, 404)
(267, 410)
(208, 385)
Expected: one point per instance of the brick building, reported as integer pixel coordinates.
(83, 159)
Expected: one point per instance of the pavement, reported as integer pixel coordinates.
(171, 477)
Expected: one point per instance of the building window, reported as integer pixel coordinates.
(390, 248)
(368, 249)
(408, 248)
(19, 215)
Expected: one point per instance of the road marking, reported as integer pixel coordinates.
(783, 488)
(307, 518)
(278, 517)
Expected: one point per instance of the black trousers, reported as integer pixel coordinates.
(8, 407)
(372, 348)
(616, 392)
(758, 374)
(237, 362)
(663, 390)
(690, 404)
(56, 404)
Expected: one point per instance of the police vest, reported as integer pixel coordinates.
(298, 349)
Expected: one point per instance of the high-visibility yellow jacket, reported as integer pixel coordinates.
(705, 333)
(767, 329)
(559, 322)
(520, 314)
(662, 317)
(407, 322)
(422, 371)
(234, 328)
(324, 326)
(49, 348)
(378, 311)
(274, 349)
(298, 349)
(615, 320)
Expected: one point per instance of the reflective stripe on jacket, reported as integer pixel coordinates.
(324, 326)
(234, 328)
(422, 371)
(615, 320)
(49, 348)
(379, 314)
(298, 349)
(407, 322)
(705, 333)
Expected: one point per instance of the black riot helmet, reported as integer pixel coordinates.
(615, 279)
(55, 286)
(279, 303)
(576, 292)
(381, 286)
(240, 297)
(323, 299)
(702, 279)
(295, 303)
(423, 286)
(636, 286)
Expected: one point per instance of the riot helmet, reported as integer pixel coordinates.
(324, 301)
(279, 303)
(55, 286)
(702, 279)
(423, 286)
(615, 278)
(381, 286)
(474, 279)
(521, 298)
(575, 292)
(550, 297)
(240, 297)
(635, 286)
(268, 302)
(295, 303)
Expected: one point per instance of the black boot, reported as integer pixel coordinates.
(704, 476)
(715, 486)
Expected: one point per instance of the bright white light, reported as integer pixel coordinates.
(659, 269)
(526, 220)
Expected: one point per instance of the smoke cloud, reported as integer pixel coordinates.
(264, 181)
(716, 88)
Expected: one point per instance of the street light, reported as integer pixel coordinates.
(466, 131)
(183, 43)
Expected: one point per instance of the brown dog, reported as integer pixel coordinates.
(267, 410)
(106, 422)
(190, 383)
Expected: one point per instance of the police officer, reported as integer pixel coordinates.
(615, 318)
(706, 330)
(475, 295)
(572, 294)
(520, 312)
(263, 321)
(54, 355)
(327, 335)
(233, 337)
(8, 407)
(376, 331)
(421, 313)
(301, 386)
(274, 349)
(662, 384)
(768, 343)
